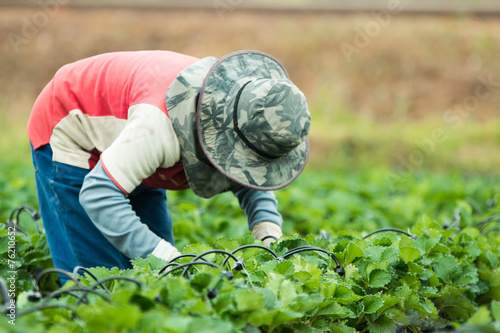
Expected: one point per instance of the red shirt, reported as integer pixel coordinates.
(83, 109)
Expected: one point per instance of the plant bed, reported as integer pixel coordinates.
(431, 278)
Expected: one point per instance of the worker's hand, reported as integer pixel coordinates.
(166, 251)
(267, 232)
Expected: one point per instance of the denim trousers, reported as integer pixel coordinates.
(73, 238)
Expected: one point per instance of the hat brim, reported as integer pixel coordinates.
(214, 119)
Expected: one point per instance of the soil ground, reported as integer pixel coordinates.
(383, 70)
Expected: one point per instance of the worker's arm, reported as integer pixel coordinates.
(110, 210)
(261, 209)
(146, 143)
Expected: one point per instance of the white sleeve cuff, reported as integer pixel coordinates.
(164, 250)
(266, 229)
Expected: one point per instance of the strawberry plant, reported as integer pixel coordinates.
(438, 273)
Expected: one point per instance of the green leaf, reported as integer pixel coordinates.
(429, 308)
(307, 273)
(352, 272)
(143, 302)
(150, 264)
(197, 248)
(201, 281)
(260, 317)
(389, 301)
(334, 310)
(351, 253)
(446, 269)
(383, 241)
(258, 276)
(411, 281)
(174, 291)
(381, 253)
(379, 278)
(372, 303)
(247, 300)
(429, 292)
(305, 303)
(113, 318)
(409, 254)
(424, 224)
(441, 248)
(467, 276)
(286, 293)
(100, 273)
(481, 317)
(209, 325)
(341, 328)
(416, 268)
(4, 244)
(382, 325)
(344, 295)
(285, 268)
(176, 324)
(495, 310)
(226, 244)
(303, 265)
(492, 258)
(426, 244)
(338, 293)
(456, 306)
(285, 316)
(397, 316)
(302, 277)
(288, 244)
(283, 289)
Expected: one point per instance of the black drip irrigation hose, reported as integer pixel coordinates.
(393, 230)
(228, 254)
(176, 264)
(200, 256)
(339, 269)
(33, 213)
(94, 286)
(189, 264)
(252, 246)
(482, 224)
(17, 212)
(46, 306)
(10, 224)
(490, 230)
(195, 259)
(124, 278)
(81, 268)
(56, 270)
(309, 248)
(171, 262)
(79, 287)
(213, 292)
(70, 291)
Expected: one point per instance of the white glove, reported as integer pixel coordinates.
(267, 232)
(166, 251)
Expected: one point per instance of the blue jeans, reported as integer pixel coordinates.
(73, 238)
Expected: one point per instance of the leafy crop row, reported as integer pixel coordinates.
(441, 274)
(436, 279)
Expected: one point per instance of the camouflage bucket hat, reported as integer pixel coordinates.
(250, 126)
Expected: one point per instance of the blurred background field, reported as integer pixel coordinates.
(396, 100)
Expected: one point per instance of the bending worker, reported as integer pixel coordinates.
(110, 133)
